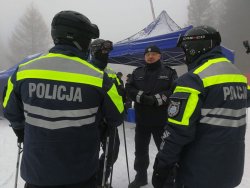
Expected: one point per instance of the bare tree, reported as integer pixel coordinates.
(30, 36)
(235, 28)
(199, 12)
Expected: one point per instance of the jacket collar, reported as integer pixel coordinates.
(214, 53)
(69, 51)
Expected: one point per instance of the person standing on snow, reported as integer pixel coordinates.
(203, 142)
(54, 102)
(100, 50)
(149, 87)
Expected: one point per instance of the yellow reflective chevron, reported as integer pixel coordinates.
(190, 106)
(225, 78)
(226, 74)
(52, 55)
(8, 92)
(60, 76)
(116, 98)
(210, 62)
(111, 73)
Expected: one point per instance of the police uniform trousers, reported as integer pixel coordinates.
(142, 140)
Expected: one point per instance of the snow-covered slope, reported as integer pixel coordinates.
(8, 157)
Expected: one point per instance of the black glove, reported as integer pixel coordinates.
(20, 134)
(164, 177)
(148, 100)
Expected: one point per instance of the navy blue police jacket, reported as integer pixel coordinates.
(206, 124)
(156, 80)
(59, 99)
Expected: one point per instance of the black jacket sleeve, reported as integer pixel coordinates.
(113, 107)
(163, 96)
(132, 91)
(13, 106)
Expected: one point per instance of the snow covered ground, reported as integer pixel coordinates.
(8, 157)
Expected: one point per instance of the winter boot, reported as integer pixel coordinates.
(141, 179)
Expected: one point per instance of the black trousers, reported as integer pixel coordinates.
(142, 140)
(113, 151)
(91, 183)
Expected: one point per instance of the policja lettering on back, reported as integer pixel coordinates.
(235, 92)
(60, 92)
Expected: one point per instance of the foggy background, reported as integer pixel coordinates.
(25, 24)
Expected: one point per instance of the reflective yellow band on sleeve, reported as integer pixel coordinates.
(225, 78)
(118, 81)
(116, 98)
(248, 87)
(8, 92)
(60, 76)
(111, 75)
(190, 106)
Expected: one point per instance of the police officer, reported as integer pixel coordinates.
(54, 101)
(149, 87)
(206, 124)
(100, 49)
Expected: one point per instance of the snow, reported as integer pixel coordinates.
(8, 157)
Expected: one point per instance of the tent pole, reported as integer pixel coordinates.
(152, 9)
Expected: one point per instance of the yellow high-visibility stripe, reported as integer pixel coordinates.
(52, 55)
(225, 78)
(118, 81)
(60, 76)
(248, 87)
(8, 92)
(116, 98)
(190, 106)
(210, 62)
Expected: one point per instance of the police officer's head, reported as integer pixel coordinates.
(152, 54)
(197, 41)
(73, 28)
(100, 49)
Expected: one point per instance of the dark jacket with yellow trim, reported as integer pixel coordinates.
(206, 126)
(111, 73)
(152, 79)
(61, 140)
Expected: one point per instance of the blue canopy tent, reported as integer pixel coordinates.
(131, 52)
(164, 33)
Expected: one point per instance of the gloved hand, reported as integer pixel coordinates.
(20, 134)
(148, 100)
(164, 177)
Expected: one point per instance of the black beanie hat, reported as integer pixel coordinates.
(152, 49)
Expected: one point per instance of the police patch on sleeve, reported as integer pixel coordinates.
(173, 108)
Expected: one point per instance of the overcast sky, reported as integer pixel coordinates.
(116, 19)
